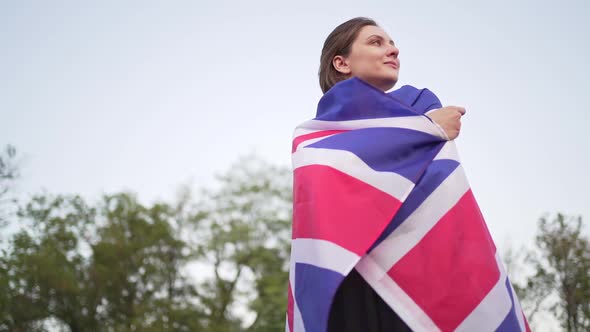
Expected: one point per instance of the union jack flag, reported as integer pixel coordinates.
(379, 188)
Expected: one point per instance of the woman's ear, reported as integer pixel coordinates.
(340, 64)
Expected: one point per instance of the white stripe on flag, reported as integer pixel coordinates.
(322, 253)
(297, 320)
(344, 161)
(518, 310)
(415, 122)
(287, 323)
(413, 229)
(449, 151)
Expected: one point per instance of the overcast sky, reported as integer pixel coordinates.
(146, 96)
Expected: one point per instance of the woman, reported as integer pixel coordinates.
(360, 48)
(387, 235)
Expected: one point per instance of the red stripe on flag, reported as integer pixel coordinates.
(300, 139)
(452, 268)
(334, 206)
(526, 323)
(290, 307)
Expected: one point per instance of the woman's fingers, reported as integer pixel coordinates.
(459, 109)
(449, 118)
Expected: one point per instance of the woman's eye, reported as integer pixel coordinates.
(377, 42)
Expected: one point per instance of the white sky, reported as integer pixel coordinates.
(148, 95)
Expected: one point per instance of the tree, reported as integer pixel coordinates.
(243, 230)
(113, 267)
(561, 265)
(119, 265)
(534, 292)
(43, 268)
(137, 265)
(8, 173)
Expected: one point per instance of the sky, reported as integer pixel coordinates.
(100, 97)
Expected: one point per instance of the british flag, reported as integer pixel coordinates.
(378, 187)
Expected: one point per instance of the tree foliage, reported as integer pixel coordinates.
(113, 267)
(8, 174)
(243, 229)
(217, 262)
(560, 278)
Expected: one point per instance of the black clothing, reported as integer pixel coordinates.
(358, 308)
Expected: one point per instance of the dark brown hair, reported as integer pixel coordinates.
(339, 42)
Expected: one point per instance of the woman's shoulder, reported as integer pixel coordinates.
(423, 100)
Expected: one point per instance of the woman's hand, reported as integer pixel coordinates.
(449, 119)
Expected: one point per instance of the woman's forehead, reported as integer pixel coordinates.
(370, 30)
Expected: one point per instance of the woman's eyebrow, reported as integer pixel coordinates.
(390, 41)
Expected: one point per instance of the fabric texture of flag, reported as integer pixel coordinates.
(379, 188)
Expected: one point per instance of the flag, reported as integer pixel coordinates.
(378, 187)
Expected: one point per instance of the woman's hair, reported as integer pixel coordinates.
(339, 42)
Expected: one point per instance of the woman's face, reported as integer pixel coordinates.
(372, 58)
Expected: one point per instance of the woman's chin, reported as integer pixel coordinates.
(382, 82)
(388, 82)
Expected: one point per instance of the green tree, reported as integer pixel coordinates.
(8, 174)
(561, 267)
(43, 268)
(243, 230)
(114, 267)
(119, 265)
(137, 263)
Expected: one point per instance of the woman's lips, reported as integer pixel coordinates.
(392, 64)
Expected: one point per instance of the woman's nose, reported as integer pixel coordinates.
(393, 50)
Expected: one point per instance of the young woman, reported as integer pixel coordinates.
(387, 235)
(360, 48)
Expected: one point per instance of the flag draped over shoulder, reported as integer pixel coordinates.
(378, 187)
